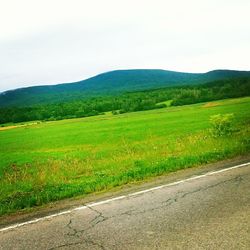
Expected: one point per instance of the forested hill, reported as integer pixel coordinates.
(129, 102)
(109, 83)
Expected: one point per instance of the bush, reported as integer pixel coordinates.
(222, 124)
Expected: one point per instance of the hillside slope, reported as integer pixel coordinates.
(110, 83)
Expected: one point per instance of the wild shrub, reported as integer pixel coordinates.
(222, 125)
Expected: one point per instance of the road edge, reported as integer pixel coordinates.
(13, 225)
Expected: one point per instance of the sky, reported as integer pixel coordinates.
(56, 41)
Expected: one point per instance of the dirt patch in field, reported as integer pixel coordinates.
(18, 126)
(9, 127)
(210, 104)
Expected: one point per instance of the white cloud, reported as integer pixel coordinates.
(50, 41)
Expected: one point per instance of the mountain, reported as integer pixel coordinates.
(111, 83)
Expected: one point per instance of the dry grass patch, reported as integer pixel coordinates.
(211, 104)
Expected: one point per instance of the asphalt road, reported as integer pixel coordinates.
(204, 212)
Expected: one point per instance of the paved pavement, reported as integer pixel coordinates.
(204, 212)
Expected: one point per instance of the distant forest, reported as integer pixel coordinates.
(129, 102)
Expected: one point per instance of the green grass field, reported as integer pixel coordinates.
(49, 161)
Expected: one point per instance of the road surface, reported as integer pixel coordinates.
(208, 211)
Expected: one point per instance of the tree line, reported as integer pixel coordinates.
(128, 102)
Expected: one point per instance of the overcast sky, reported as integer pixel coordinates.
(55, 41)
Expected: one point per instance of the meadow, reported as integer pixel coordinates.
(49, 161)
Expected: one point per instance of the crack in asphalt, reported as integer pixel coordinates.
(129, 212)
(73, 232)
(181, 195)
(66, 245)
(237, 180)
(71, 228)
(84, 241)
(100, 218)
